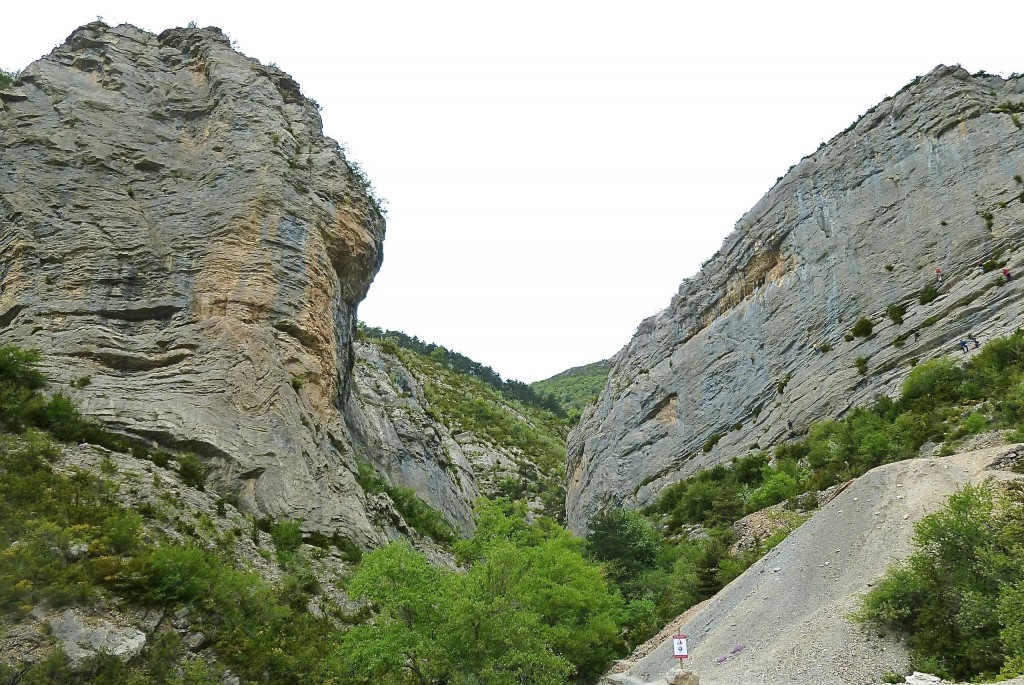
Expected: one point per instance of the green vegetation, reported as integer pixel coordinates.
(529, 608)
(928, 294)
(510, 389)
(989, 217)
(862, 328)
(931, 408)
(824, 347)
(576, 388)
(862, 365)
(896, 312)
(532, 603)
(192, 471)
(671, 570)
(7, 78)
(252, 625)
(959, 598)
(1008, 107)
(712, 441)
(723, 493)
(417, 513)
(940, 401)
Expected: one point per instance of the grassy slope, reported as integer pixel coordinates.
(576, 388)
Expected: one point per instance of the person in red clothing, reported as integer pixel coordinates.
(1006, 274)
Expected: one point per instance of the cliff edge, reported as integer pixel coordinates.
(925, 191)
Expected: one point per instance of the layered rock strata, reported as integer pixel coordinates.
(188, 250)
(918, 192)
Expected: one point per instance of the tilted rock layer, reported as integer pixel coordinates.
(179, 238)
(928, 179)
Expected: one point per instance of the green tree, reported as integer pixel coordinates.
(627, 543)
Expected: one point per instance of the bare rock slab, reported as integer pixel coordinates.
(82, 638)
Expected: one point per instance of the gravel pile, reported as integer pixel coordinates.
(785, 619)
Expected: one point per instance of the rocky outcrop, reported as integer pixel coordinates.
(184, 245)
(928, 179)
(81, 639)
(392, 430)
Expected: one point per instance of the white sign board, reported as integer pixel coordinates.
(679, 649)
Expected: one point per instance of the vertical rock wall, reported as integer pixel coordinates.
(177, 234)
(927, 179)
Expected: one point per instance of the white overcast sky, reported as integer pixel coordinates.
(555, 168)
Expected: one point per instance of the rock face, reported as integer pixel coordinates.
(928, 179)
(180, 239)
(391, 429)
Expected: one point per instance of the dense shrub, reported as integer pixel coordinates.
(627, 544)
(959, 598)
(192, 471)
(862, 328)
(928, 294)
(529, 608)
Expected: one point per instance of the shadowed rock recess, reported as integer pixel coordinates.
(762, 335)
(178, 236)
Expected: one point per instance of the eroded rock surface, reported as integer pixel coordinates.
(181, 240)
(928, 179)
(388, 419)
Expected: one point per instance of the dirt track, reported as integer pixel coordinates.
(784, 620)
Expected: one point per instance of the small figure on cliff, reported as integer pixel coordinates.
(917, 334)
(751, 358)
(963, 346)
(938, 274)
(974, 340)
(981, 268)
(1006, 274)
(789, 424)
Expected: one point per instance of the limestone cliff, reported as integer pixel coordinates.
(184, 245)
(928, 179)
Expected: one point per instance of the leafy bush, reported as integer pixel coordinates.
(529, 608)
(862, 365)
(928, 294)
(712, 440)
(958, 598)
(192, 471)
(626, 542)
(781, 386)
(287, 537)
(862, 328)
(896, 312)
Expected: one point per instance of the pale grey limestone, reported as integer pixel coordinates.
(175, 227)
(861, 224)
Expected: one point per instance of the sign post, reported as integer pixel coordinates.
(679, 648)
